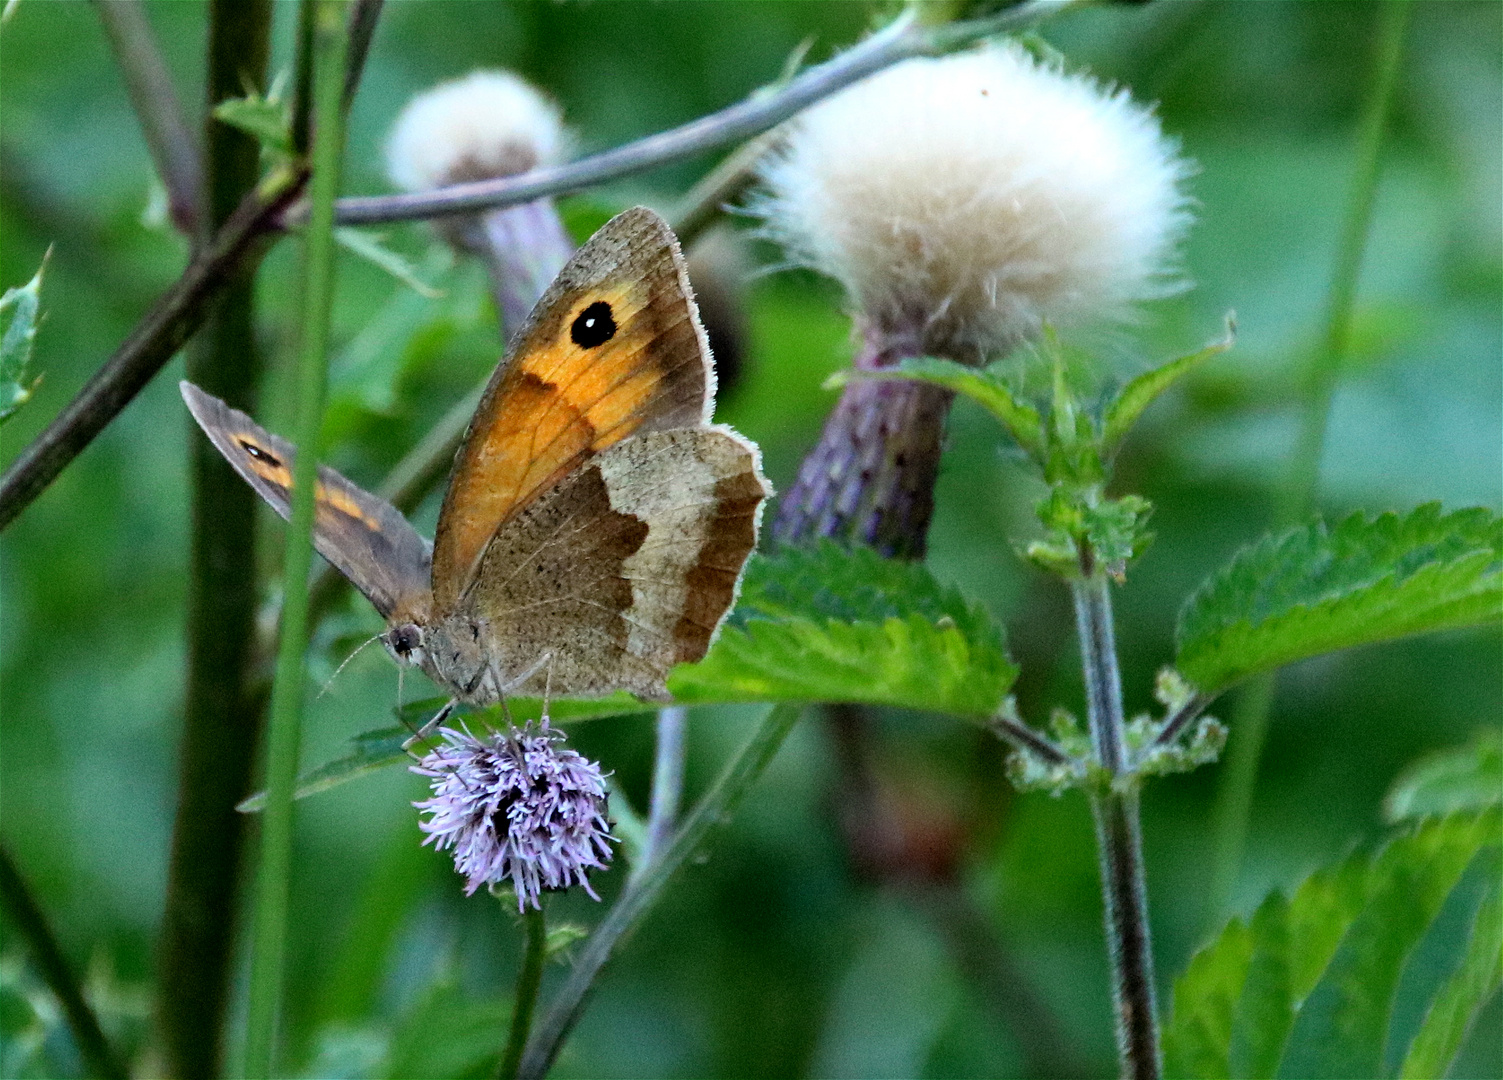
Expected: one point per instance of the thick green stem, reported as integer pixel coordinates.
(1297, 497)
(529, 978)
(269, 937)
(1118, 836)
(642, 891)
(667, 779)
(26, 918)
(220, 714)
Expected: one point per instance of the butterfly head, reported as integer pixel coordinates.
(406, 644)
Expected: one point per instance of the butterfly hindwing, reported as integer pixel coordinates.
(363, 536)
(624, 569)
(613, 348)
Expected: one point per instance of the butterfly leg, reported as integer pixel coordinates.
(432, 725)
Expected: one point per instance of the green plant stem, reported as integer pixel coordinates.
(221, 714)
(1296, 498)
(642, 891)
(529, 978)
(269, 935)
(1119, 838)
(667, 779)
(27, 918)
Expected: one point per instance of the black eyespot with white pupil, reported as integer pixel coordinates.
(259, 455)
(593, 326)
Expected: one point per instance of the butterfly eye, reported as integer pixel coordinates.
(593, 326)
(404, 639)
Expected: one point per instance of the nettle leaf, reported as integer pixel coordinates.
(1375, 967)
(1142, 391)
(1315, 590)
(268, 120)
(20, 311)
(830, 624)
(1459, 778)
(824, 624)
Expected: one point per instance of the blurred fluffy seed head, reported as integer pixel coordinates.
(487, 124)
(965, 201)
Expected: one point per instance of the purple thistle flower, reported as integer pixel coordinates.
(516, 806)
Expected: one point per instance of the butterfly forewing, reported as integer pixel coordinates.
(365, 537)
(613, 348)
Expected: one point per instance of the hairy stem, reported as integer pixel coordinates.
(269, 936)
(220, 715)
(26, 917)
(642, 891)
(1118, 835)
(174, 149)
(1297, 497)
(529, 978)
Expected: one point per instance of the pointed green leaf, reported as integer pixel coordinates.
(1457, 1003)
(1380, 959)
(20, 311)
(1315, 590)
(369, 247)
(1196, 1042)
(1459, 778)
(1138, 394)
(266, 119)
(985, 386)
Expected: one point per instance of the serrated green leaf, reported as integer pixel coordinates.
(1342, 1024)
(985, 386)
(1205, 996)
(20, 311)
(1320, 973)
(1140, 393)
(1459, 778)
(1456, 1004)
(1315, 590)
(266, 119)
(830, 624)
(369, 248)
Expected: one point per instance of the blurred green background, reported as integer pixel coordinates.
(780, 954)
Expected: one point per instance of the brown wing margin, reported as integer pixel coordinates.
(559, 398)
(364, 537)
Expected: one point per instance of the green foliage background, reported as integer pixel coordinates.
(775, 957)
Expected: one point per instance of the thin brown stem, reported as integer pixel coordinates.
(171, 141)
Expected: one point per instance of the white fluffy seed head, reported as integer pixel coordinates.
(966, 201)
(487, 124)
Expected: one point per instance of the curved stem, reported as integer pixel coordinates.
(642, 891)
(27, 918)
(1118, 836)
(899, 40)
(529, 978)
(269, 937)
(1297, 497)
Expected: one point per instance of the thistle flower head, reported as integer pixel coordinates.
(516, 806)
(487, 124)
(965, 201)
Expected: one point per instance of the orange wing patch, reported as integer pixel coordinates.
(265, 464)
(570, 393)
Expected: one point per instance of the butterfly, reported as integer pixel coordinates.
(596, 522)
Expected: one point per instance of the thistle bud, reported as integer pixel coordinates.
(964, 203)
(486, 125)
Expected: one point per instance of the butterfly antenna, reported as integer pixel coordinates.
(434, 721)
(358, 650)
